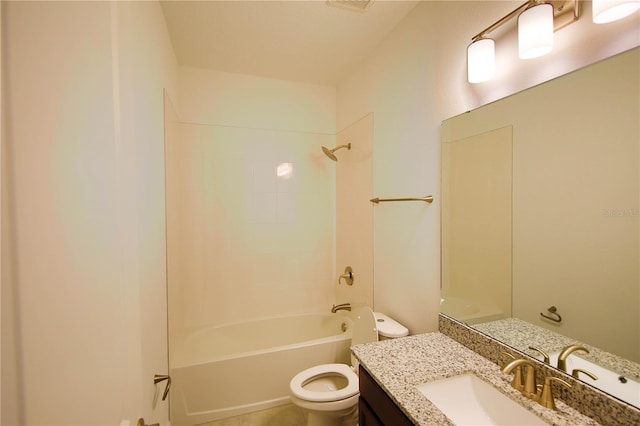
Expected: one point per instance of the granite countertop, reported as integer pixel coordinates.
(522, 334)
(399, 365)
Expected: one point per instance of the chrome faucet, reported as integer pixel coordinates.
(562, 358)
(340, 307)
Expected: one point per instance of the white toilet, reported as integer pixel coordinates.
(329, 392)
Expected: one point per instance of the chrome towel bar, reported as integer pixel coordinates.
(426, 199)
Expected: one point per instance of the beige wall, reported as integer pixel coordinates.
(227, 99)
(575, 250)
(354, 218)
(243, 242)
(476, 219)
(83, 327)
(413, 81)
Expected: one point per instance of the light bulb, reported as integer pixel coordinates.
(481, 60)
(535, 31)
(605, 11)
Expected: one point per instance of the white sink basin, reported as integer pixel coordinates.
(623, 388)
(468, 400)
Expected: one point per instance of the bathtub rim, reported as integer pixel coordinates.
(178, 337)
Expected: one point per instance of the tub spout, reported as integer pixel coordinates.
(342, 306)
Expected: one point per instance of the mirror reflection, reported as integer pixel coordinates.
(540, 221)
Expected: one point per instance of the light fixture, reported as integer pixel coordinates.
(481, 60)
(537, 20)
(535, 31)
(605, 11)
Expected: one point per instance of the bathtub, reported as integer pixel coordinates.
(470, 311)
(232, 369)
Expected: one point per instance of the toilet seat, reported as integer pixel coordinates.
(305, 376)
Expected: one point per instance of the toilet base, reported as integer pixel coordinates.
(324, 418)
(335, 413)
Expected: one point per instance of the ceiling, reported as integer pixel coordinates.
(308, 41)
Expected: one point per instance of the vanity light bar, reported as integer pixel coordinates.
(481, 52)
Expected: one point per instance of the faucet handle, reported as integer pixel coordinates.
(348, 276)
(543, 353)
(508, 355)
(546, 398)
(576, 371)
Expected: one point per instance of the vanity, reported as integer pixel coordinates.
(392, 371)
(375, 406)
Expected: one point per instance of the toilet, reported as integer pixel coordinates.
(329, 392)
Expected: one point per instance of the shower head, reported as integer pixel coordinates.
(330, 152)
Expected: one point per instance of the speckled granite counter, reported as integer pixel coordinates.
(400, 365)
(522, 334)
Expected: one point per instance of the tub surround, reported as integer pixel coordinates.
(400, 365)
(586, 399)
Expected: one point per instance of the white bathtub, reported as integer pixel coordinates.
(232, 369)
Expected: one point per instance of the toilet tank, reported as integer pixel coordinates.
(372, 326)
(388, 328)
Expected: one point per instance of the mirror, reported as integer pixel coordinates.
(541, 212)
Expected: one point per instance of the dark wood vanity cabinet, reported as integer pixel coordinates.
(376, 408)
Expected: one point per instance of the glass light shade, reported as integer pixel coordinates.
(611, 10)
(481, 60)
(535, 31)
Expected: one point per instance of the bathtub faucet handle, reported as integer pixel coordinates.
(347, 276)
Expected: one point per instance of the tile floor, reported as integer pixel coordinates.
(284, 415)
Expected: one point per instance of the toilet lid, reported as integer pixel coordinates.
(364, 327)
(320, 370)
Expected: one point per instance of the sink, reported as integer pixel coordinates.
(468, 400)
(621, 387)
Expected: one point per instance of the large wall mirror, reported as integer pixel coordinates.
(541, 218)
